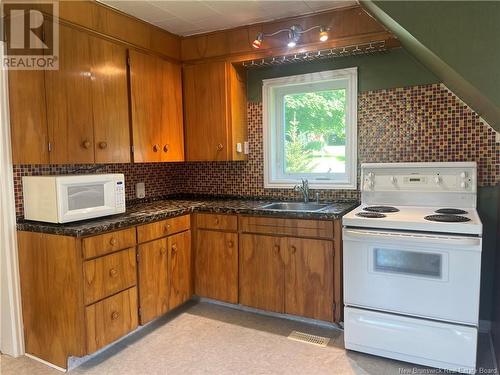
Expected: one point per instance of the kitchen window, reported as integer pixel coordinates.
(310, 128)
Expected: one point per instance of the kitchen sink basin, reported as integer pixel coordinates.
(294, 206)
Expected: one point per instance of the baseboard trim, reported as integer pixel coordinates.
(45, 362)
(269, 313)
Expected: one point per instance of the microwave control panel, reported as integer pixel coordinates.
(120, 196)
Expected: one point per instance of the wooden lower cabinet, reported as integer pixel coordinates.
(216, 265)
(110, 319)
(164, 275)
(262, 272)
(154, 279)
(287, 275)
(309, 278)
(181, 286)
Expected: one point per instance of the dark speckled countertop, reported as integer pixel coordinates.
(143, 213)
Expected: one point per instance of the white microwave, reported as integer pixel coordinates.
(63, 199)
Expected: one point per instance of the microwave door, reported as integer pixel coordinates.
(79, 201)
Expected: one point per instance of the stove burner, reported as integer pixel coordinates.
(380, 209)
(450, 211)
(372, 215)
(447, 218)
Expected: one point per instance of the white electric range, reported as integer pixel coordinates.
(412, 264)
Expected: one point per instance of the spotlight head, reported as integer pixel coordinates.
(323, 34)
(257, 43)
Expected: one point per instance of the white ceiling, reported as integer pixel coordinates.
(190, 17)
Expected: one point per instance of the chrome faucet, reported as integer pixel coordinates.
(304, 189)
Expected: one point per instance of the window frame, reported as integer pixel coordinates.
(273, 91)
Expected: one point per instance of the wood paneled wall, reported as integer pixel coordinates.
(348, 26)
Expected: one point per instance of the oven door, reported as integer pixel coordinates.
(428, 275)
(81, 197)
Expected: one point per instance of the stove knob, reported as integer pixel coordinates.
(437, 180)
(393, 180)
(463, 185)
(463, 174)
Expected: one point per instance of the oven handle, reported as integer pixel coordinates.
(355, 234)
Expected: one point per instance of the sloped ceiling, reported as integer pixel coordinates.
(457, 40)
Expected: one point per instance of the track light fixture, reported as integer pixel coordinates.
(294, 33)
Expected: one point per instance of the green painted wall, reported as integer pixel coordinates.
(396, 68)
(457, 40)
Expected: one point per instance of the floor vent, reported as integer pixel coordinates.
(310, 339)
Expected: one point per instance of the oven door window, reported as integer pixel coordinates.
(409, 263)
(85, 196)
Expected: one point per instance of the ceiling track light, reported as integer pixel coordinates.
(294, 33)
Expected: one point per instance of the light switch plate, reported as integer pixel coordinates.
(140, 190)
(239, 148)
(246, 148)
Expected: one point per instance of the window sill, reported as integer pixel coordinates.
(312, 184)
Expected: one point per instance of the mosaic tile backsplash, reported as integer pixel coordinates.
(413, 124)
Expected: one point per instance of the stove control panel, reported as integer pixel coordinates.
(419, 177)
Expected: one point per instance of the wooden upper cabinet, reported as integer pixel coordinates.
(69, 100)
(214, 111)
(28, 117)
(110, 101)
(156, 100)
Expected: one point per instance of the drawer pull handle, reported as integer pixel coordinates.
(156, 148)
(230, 244)
(115, 315)
(165, 148)
(174, 249)
(217, 221)
(112, 241)
(113, 272)
(294, 249)
(163, 251)
(167, 227)
(103, 145)
(86, 144)
(220, 147)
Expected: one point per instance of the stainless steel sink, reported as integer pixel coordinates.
(294, 206)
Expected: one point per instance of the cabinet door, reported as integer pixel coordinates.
(69, 100)
(206, 112)
(179, 246)
(216, 265)
(156, 98)
(110, 101)
(262, 272)
(153, 279)
(28, 117)
(309, 278)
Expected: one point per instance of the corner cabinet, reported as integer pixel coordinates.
(215, 111)
(156, 107)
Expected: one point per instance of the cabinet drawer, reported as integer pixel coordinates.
(152, 231)
(108, 242)
(110, 319)
(217, 221)
(290, 227)
(109, 274)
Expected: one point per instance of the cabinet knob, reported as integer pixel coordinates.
(86, 144)
(163, 251)
(217, 221)
(167, 227)
(294, 249)
(112, 241)
(115, 315)
(220, 147)
(174, 249)
(230, 244)
(103, 145)
(276, 249)
(113, 272)
(156, 148)
(165, 148)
